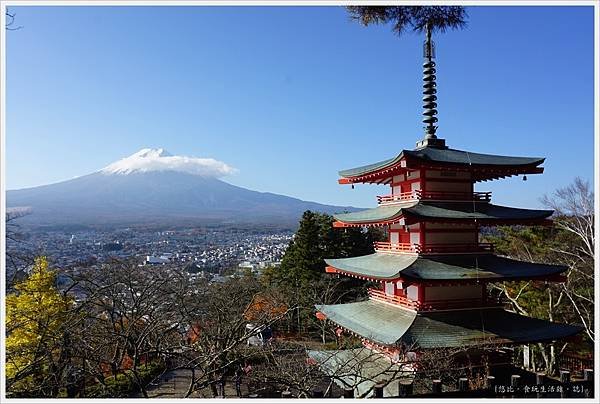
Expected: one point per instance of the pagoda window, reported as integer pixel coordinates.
(415, 238)
(390, 288)
(394, 237)
(396, 190)
(397, 179)
(412, 292)
(412, 174)
(414, 227)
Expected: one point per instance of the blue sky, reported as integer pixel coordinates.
(291, 95)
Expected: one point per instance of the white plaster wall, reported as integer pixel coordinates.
(389, 288)
(412, 292)
(414, 238)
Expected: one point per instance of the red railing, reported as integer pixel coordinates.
(439, 248)
(454, 248)
(382, 199)
(380, 295)
(385, 246)
(435, 195)
(432, 305)
(448, 304)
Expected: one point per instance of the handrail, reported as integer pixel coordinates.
(441, 248)
(433, 248)
(380, 295)
(435, 195)
(385, 246)
(432, 305)
(449, 304)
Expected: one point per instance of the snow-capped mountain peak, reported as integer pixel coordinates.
(148, 160)
(153, 153)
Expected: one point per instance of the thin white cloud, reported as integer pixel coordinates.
(147, 160)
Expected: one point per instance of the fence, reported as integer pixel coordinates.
(517, 386)
(575, 363)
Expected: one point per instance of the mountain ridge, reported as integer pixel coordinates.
(155, 192)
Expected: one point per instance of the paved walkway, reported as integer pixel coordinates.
(175, 383)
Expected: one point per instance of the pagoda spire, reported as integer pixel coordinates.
(429, 87)
(429, 94)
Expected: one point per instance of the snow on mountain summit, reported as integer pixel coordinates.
(148, 160)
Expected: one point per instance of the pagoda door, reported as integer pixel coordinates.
(405, 188)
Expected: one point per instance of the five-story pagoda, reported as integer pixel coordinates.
(432, 272)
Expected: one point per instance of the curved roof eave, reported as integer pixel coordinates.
(445, 156)
(464, 267)
(443, 211)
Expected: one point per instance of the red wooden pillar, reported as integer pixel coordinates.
(421, 293)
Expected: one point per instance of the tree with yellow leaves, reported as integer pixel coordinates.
(36, 320)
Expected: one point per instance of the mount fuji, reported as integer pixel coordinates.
(155, 187)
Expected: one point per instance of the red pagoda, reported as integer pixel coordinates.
(432, 272)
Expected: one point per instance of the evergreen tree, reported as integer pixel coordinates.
(302, 273)
(315, 240)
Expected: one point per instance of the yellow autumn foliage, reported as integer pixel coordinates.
(35, 316)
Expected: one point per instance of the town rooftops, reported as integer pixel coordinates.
(388, 266)
(414, 211)
(432, 156)
(391, 325)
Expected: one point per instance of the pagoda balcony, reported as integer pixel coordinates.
(384, 246)
(439, 248)
(381, 296)
(458, 248)
(433, 305)
(434, 196)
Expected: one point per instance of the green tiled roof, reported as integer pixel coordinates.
(466, 157)
(446, 156)
(379, 322)
(442, 267)
(442, 210)
(378, 265)
(362, 368)
(375, 214)
(391, 325)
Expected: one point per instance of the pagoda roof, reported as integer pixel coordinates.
(425, 210)
(361, 368)
(387, 324)
(387, 266)
(445, 156)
